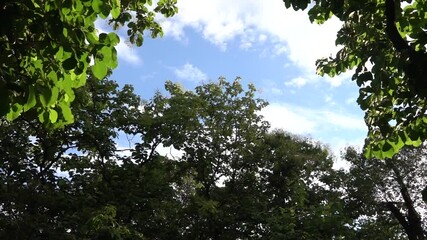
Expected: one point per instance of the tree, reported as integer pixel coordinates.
(216, 127)
(238, 181)
(388, 192)
(384, 41)
(53, 180)
(46, 48)
(233, 178)
(303, 198)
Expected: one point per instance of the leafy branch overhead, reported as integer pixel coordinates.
(384, 42)
(47, 46)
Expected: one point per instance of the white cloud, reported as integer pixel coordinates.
(169, 152)
(189, 72)
(276, 91)
(296, 82)
(329, 99)
(262, 38)
(300, 120)
(286, 118)
(318, 124)
(126, 53)
(338, 80)
(350, 100)
(254, 21)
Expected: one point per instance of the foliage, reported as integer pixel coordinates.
(384, 41)
(46, 48)
(294, 177)
(388, 192)
(232, 179)
(44, 172)
(242, 182)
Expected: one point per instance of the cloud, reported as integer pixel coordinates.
(318, 122)
(126, 53)
(286, 118)
(189, 72)
(338, 80)
(276, 91)
(258, 22)
(296, 82)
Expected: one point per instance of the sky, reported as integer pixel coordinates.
(263, 43)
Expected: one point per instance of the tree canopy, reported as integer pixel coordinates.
(389, 191)
(232, 178)
(384, 43)
(46, 49)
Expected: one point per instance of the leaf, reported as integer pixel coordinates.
(59, 54)
(53, 115)
(53, 76)
(107, 56)
(114, 38)
(66, 112)
(101, 7)
(97, 5)
(69, 63)
(15, 112)
(387, 150)
(99, 69)
(115, 11)
(43, 116)
(54, 92)
(44, 96)
(31, 101)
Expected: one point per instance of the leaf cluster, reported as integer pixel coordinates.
(46, 49)
(384, 43)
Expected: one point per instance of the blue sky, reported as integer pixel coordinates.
(265, 44)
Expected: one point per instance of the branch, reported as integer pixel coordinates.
(393, 34)
(398, 215)
(414, 219)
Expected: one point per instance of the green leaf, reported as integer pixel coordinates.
(15, 112)
(53, 76)
(66, 112)
(59, 54)
(53, 96)
(53, 115)
(99, 69)
(31, 101)
(388, 150)
(114, 38)
(44, 96)
(43, 116)
(101, 7)
(97, 5)
(107, 56)
(115, 11)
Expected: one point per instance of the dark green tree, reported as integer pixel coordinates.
(303, 198)
(44, 171)
(242, 182)
(387, 192)
(216, 128)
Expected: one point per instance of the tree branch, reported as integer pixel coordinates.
(398, 215)
(393, 34)
(413, 218)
